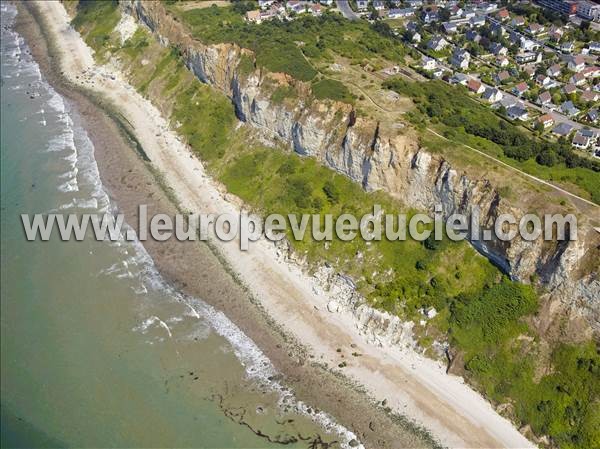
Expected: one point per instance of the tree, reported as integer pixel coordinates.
(547, 158)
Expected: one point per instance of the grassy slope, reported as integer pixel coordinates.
(480, 311)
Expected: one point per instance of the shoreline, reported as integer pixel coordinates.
(410, 383)
(119, 157)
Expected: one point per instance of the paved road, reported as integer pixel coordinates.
(344, 7)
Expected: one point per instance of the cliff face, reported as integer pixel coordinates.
(378, 158)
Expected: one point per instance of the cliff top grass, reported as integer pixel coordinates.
(481, 312)
(291, 47)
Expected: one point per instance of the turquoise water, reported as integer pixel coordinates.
(97, 351)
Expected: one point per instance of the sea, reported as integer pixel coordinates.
(97, 350)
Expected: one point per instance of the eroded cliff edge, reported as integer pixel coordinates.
(384, 157)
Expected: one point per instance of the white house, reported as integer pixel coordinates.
(460, 58)
(492, 95)
(437, 43)
(263, 4)
(581, 142)
(428, 63)
(569, 109)
(553, 70)
(576, 63)
(362, 4)
(397, 13)
(517, 112)
(379, 5)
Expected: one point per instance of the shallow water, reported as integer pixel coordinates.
(97, 351)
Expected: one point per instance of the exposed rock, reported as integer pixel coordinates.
(378, 158)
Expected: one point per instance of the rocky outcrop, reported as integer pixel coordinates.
(374, 156)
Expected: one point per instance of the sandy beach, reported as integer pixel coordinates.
(411, 385)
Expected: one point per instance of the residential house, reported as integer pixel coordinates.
(362, 5)
(568, 108)
(460, 58)
(594, 47)
(556, 33)
(578, 79)
(297, 7)
(414, 3)
(253, 16)
(401, 13)
(576, 63)
(520, 89)
(545, 120)
(379, 5)
(428, 63)
(475, 86)
(518, 21)
(502, 61)
(569, 89)
(544, 98)
(508, 101)
(593, 115)
(590, 96)
(543, 80)
(488, 7)
(477, 21)
(459, 78)
(264, 4)
(567, 47)
(553, 70)
(430, 14)
(497, 30)
(502, 76)
(315, 9)
(528, 44)
(437, 43)
(523, 58)
(327, 2)
(416, 38)
(503, 14)
(473, 36)
(269, 13)
(450, 27)
(469, 14)
(438, 72)
(492, 95)
(562, 129)
(591, 72)
(535, 28)
(498, 49)
(517, 112)
(456, 11)
(581, 142)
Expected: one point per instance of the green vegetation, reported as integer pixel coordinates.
(481, 313)
(290, 47)
(328, 88)
(452, 107)
(96, 21)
